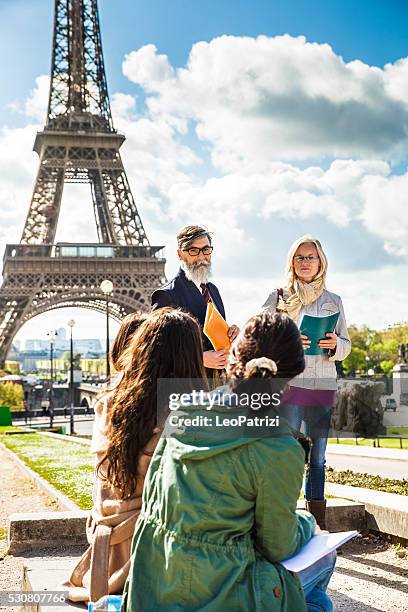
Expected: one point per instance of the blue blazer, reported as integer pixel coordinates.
(183, 293)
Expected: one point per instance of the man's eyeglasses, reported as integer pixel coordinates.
(302, 258)
(194, 251)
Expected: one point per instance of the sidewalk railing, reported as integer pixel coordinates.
(375, 440)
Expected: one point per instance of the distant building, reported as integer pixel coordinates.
(88, 346)
(61, 345)
(36, 345)
(29, 359)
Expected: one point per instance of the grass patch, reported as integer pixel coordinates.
(384, 442)
(367, 481)
(4, 428)
(66, 465)
(3, 533)
(397, 431)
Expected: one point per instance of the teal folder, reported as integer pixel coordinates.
(316, 328)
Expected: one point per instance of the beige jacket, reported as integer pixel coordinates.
(104, 566)
(320, 370)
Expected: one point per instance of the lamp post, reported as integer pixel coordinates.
(51, 335)
(71, 324)
(107, 288)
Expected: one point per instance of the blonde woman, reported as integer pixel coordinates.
(311, 395)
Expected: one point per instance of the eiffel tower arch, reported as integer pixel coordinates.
(78, 144)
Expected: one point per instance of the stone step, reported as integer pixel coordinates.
(385, 512)
(343, 514)
(34, 531)
(46, 575)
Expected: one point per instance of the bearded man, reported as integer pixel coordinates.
(191, 291)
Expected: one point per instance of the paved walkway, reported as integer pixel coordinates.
(384, 462)
(368, 578)
(357, 450)
(17, 494)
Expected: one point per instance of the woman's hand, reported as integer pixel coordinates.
(319, 531)
(305, 342)
(233, 332)
(217, 360)
(330, 343)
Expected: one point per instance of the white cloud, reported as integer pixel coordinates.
(147, 67)
(396, 80)
(17, 170)
(254, 101)
(278, 98)
(385, 210)
(123, 106)
(37, 102)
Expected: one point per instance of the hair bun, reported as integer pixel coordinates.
(263, 363)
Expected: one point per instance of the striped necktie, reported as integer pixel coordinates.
(206, 293)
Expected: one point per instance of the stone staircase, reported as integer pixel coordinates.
(51, 543)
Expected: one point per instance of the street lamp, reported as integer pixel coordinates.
(71, 324)
(51, 335)
(107, 288)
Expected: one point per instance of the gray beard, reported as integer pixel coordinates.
(197, 273)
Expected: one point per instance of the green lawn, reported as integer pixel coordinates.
(384, 442)
(66, 465)
(397, 431)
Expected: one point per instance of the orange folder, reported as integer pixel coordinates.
(216, 329)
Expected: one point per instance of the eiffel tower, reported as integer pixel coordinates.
(78, 145)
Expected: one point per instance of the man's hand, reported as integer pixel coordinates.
(330, 343)
(305, 342)
(217, 360)
(233, 332)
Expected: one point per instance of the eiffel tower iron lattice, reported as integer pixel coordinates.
(78, 145)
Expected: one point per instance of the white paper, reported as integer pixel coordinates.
(316, 548)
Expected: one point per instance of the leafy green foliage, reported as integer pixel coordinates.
(367, 481)
(11, 395)
(372, 349)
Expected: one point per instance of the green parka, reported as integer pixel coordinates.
(219, 514)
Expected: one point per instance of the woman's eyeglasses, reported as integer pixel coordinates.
(194, 251)
(302, 258)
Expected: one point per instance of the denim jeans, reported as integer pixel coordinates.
(317, 424)
(315, 580)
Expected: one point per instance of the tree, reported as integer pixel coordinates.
(373, 349)
(13, 367)
(12, 395)
(355, 362)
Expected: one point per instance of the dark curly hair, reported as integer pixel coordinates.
(275, 337)
(167, 344)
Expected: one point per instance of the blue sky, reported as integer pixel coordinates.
(322, 135)
(371, 30)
